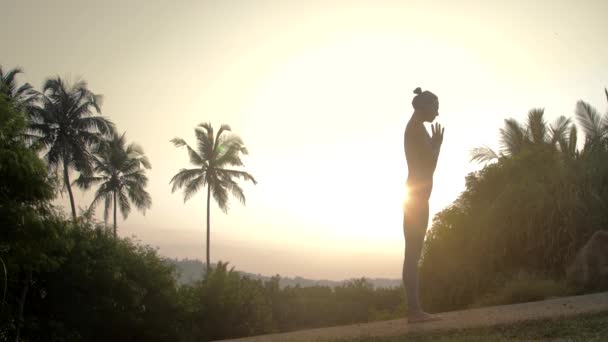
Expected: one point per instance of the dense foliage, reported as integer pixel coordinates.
(529, 211)
(225, 304)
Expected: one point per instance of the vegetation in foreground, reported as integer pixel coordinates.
(528, 211)
(72, 280)
(590, 327)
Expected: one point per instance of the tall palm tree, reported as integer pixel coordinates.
(22, 97)
(121, 174)
(65, 124)
(516, 137)
(213, 157)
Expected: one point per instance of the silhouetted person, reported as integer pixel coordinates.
(421, 153)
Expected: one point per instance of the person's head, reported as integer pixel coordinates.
(426, 105)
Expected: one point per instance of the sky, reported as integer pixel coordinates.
(320, 92)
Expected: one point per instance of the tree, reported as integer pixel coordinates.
(24, 190)
(22, 97)
(213, 157)
(121, 174)
(594, 126)
(70, 281)
(515, 137)
(65, 125)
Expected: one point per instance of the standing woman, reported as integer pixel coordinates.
(421, 153)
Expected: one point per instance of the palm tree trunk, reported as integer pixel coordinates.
(114, 214)
(208, 212)
(66, 180)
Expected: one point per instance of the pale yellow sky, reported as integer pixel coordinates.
(320, 92)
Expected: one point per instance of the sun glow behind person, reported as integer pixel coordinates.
(320, 94)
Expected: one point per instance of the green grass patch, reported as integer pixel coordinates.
(588, 327)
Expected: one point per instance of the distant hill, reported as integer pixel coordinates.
(191, 270)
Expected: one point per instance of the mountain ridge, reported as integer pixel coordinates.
(191, 270)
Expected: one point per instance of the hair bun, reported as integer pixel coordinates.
(418, 91)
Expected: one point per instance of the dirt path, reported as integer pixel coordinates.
(559, 307)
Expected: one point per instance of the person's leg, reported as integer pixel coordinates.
(415, 223)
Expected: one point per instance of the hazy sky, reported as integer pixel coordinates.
(320, 92)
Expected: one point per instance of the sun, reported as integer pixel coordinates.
(406, 194)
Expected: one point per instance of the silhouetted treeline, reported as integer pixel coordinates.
(72, 280)
(226, 304)
(191, 270)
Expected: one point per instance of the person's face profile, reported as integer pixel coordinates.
(432, 111)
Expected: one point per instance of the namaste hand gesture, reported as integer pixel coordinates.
(437, 135)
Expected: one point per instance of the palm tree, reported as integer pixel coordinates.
(213, 157)
(121, 171)
(64, 123)
(594, 126)
(22, 97)
(515, 137)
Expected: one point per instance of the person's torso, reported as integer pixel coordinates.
(420, 159)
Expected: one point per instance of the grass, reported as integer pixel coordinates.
(588, 327)
(524, 287)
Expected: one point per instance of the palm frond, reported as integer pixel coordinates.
(102, 164)
(589, 119)
(208, 128)
(572, 140)
(558, 131)
(220, 194)
(193, 185)
(140, 197)
(96, 124)
(483, 154)
(135, 154)
(236, 190)
(81, 157)
(184, 176)
(230, 156)
(536, 126)
(21, 97)
(25, 91)
(90, 139)
(53, 157)
(136, 178)
(85, 182)
(220, 136)
(227, 173)
(9, 77)
(103, 193)
(123, 204)
(195, 158)
(512, 137)
(204, 141)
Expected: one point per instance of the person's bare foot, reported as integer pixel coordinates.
(421, 316)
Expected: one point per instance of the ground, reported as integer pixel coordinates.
(454, 321)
